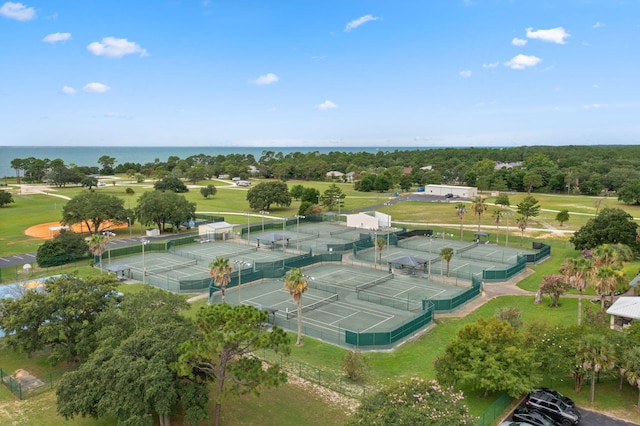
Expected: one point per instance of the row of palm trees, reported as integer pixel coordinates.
(601, 268)
(479, 207)
(294, 281)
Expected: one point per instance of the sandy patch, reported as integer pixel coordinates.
(43, 232)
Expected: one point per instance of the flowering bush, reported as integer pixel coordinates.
(414, 402)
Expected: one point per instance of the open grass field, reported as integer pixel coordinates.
(410, 360)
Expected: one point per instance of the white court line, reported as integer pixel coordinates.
(461, 266)
(344, 318)
(375, 325)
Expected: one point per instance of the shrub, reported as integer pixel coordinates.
(355, 365)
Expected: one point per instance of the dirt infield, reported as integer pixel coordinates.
(44, 232)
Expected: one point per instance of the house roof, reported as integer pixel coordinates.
(628, 307)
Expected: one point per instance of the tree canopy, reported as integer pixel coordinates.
(489, 356)
(62, 316)
(219, 351)
(610, 226)
(5, 198)
(95, 210)
(164, 208)
(265, 194)
(171, 183)
(130, 376)
(65, 247)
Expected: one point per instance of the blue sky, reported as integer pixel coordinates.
(314, 73)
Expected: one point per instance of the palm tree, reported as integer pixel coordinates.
(631, 366)
(461, 210)
(446, 253)
(297, 284)
(522, 225)
(575, 272)
(607, 280)
(479, 207)
(497, 218)
(220, 271)
(97, 246)
(594, 354)
(381, 242)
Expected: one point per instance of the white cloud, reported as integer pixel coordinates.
(518, 41)
(491, 65)
(55, 37)
(594, 106)
(269, 78)
(553, 35)
(96, 88)
(326, 105)
(466, 73)
(67, 90)
(598, 25)
(17, 11)
(115, 47)
(360, 21)
(520, 62)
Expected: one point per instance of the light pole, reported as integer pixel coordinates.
(284, 224)
(507, 214)
(298, 217)
(429, 266)
(248, 229)
(129, 221)
(144, 270)
(339, 202)
(239, 265)
(263, 212)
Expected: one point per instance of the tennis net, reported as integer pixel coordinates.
(374, 282)
(342, 231)
(161, 269)
(315, 305)
(247, 251)
(307, 238)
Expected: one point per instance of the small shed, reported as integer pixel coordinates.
(122, 272)
(215, 231)
(624, 310)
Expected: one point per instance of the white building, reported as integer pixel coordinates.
(215, 231)
(460, 191)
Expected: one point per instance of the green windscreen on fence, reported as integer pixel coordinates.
(389, 337)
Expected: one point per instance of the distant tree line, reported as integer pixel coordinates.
(587, 170)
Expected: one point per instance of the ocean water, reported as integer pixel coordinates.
(88, 155)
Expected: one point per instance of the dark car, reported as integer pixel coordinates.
(558, 395)
(533, 417)
(449, 195)
(553, 407)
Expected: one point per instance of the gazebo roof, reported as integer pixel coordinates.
(412, 261)
(628, 307)
(117, 268)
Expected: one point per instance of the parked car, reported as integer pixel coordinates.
(449, 195)
(558, 395)
(536, 418)
(553, 407)
(108, 233)
(514, 424)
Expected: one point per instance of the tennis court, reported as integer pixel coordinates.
(343, 298)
